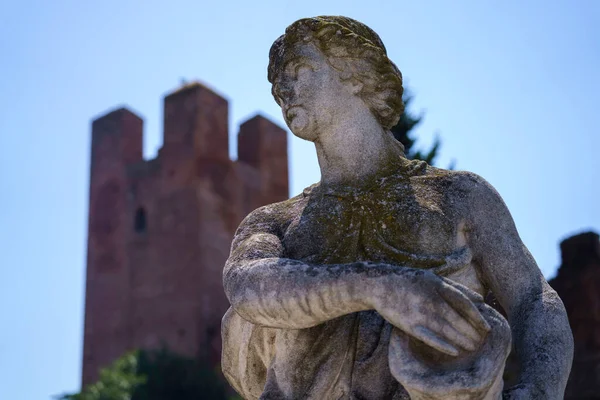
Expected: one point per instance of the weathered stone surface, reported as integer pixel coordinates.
(371, 283)
(577, 283)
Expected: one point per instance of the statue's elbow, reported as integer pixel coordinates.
(233, 292)
(559, 322)
(241, 297)
(561, 313)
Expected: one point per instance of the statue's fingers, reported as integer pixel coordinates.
(465, 307)
(463, 326)
(440, 326)
(431, 339)
(471, 295)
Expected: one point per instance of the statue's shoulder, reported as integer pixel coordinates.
(271, 218)
(462, 189)
(473, 185)
(461, 185)
(424, 176)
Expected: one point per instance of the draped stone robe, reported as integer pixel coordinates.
(403, 219)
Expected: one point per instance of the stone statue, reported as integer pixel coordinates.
(371, 283)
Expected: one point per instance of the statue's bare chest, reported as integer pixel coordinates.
(378, 225)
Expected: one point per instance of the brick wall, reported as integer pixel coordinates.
(160, 230)
(578, 285)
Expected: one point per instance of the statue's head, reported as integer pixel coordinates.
(349, 50)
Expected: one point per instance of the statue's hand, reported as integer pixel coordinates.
(433, 310)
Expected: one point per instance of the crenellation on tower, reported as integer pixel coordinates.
(160, 230)
(263, 145)
(118, 136)
(116, 143)
(196, 117)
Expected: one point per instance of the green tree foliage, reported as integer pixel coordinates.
(402, 131)
(155, 375)
(118, 382)
(171, 376)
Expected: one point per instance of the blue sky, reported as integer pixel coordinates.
(512, 90)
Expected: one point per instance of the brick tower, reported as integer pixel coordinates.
(160, 230)
(577, 283)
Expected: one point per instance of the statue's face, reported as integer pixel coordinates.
(310, 92)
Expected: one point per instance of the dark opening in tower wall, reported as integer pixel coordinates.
(140, 223)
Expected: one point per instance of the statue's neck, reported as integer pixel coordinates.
(356, 150)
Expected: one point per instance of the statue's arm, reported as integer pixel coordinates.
(541, 333)
(269, 290)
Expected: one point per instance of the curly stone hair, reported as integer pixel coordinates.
(353, 49)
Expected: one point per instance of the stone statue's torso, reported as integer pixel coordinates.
(407, 218)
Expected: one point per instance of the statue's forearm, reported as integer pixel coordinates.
(284, 293)
(544, 344)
